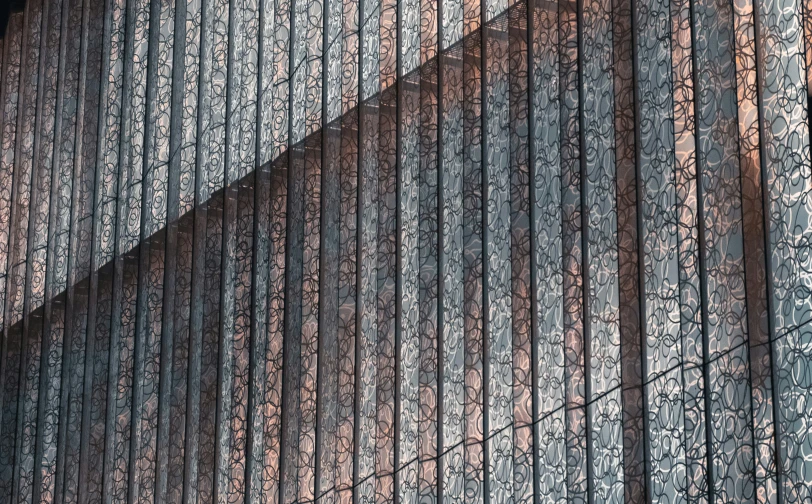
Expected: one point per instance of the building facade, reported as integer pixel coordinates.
(406, 251)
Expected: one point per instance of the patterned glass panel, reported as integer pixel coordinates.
(417, 251)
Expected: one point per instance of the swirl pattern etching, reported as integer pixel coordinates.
(406, 251)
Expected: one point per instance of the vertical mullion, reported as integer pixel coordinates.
(191, 448)
(214, 90)
(347, 292)
(721, 261)
(81, 62)
(227, 473)
(6, 173)
(193, 399)
(776, 62)
(11, 75)
(549, 399)
(473, 264)
(574, 371)
(175, 359)
(658, 223)
(186, 83)
(117, 236)
(428, 285)
(71, 464)
(314, 68)
(688, 260)
(298, 72)
(497, 267)
(243, 288)
(134, 123)
(408, 271)
(152, 357)
(236, 287)
(255, 467)
(27, 243)
(632, 277)
(276, 324)
(175, 340)
(452, 351)
(386, 184)
(99, 160)
(213, 237)
(266, 144)
(41, 278)
(191, 160)
(366, 313)
(225, 377)
(159, 114)
(291, 381)
(118, 417)
(408, 260)
(326, 439)
(602, 335)
(60, 357)
(332, 64)
(759, 325)
(249, 99)
(350, 55)
(386, 152)
(283, 35)
(388, 62)
(327, 418)
(520, 233)
(310, 329)
(109, 134)
(366, 258)
(146, 368)
(235, 294)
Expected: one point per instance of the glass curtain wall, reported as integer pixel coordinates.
(406, 251)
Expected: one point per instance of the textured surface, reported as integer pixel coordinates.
(414, 251)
